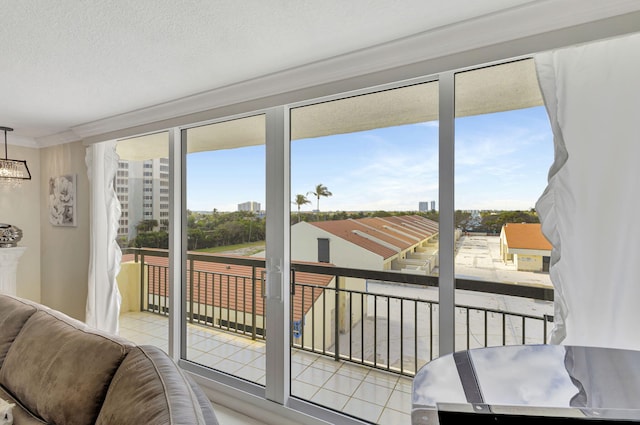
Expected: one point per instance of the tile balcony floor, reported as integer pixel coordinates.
(370, 394)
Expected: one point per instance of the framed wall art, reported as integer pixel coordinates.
(62, 200)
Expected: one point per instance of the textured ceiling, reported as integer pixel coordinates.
(66, 63)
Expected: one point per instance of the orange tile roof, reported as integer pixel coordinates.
(401, 232)
(526, 236)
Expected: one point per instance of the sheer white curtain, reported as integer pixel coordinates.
(589, 210)
(103, 297)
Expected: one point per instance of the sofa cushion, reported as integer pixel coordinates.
(13, 315)
(60, 369)
(150, 388)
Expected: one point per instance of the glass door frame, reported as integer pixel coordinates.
(277, 261)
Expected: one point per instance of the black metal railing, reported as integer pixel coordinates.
(356, 316)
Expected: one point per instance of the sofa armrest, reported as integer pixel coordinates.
(205, 404)
(150, 388)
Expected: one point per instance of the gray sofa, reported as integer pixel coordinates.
(59, 371)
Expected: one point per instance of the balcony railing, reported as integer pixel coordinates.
(352, 315)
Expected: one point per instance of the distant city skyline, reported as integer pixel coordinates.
(502, 161)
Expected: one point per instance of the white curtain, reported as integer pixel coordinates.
(103, 298)
(589, 210)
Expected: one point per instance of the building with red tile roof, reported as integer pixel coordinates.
(525, 246)
(230, 295)
(408, 243)
(224, 294)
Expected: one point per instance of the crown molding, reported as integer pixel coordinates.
(532, 19)
(26, 142)
(58, 139)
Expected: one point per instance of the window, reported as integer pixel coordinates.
(225, 165)
(363, 174)
(360, 166)
(133, 231)
(503, 151)
(323, 251)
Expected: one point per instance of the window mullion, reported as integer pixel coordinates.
(277, 256)
(177, 242)
(447, 213)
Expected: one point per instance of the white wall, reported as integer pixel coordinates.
(65, 250)
(21, 207)
(54, 268)
(304, 247)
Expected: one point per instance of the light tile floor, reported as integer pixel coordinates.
(371, 394)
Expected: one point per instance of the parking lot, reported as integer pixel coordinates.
(479, 257)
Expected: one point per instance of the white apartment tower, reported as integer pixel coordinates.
(142, 188)
(249, 206)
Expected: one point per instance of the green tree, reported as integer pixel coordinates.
(380, 213)
(433, 215)
(321, 190)
(194, 236)
(146, 226)
(492, 221)
(300, 201)
(461, 219)
(152, 240)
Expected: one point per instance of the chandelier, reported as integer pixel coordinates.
(12, 171)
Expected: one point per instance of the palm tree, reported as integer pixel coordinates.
(321, 190)
(300, 201)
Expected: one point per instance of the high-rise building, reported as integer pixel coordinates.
(249, 206)
(426, 206)
(142, 188)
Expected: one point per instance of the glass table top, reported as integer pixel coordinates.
(572, 380)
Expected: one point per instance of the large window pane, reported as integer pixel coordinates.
(225, 246)
(142, 187)
(503, 151)
(364, 182)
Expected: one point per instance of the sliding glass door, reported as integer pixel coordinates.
(364, 249)
(142, 188)
(365, 234)
(225, 215)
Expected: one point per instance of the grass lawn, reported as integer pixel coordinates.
(249, 248)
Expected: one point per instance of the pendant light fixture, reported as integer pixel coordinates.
(12, 171)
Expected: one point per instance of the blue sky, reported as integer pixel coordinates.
(502, 162)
